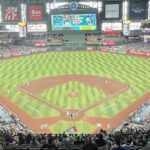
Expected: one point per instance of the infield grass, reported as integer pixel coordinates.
(87, 95)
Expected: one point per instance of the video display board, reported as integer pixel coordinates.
(73, 22)
(111, 11)
(138, 10)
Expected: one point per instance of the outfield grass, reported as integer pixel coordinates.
(133, 71)
(58, 95)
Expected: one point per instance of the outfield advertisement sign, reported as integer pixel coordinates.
(40, 44)
(109, 43)
(26, 53)
(17, 54)
(104, 50)
(139, 52)
(89, 48)
(121, 52)
(113, 51)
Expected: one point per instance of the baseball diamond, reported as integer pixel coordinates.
(74, 88)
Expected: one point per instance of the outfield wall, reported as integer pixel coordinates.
(77, 47)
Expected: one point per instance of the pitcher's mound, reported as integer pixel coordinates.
(73, 94)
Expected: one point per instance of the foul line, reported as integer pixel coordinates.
(42, 100)
(108, 107)
(33, 108)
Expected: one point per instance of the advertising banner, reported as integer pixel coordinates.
(112, 51)
(111, 32)
(138, 10)
(36, 12)
(121, 52)
(22, 29)
(17, 54)
(126, 27)
(26, 53)
(132, 51)
(40, 44)
(89, 48)
(104, 50)
(109, 43)
(139, 52)
(10, 13)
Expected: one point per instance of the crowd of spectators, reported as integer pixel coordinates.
(36, 38)
(142, 114)
(10, 49)
(135, 46)
(9, 128)
(112, 38)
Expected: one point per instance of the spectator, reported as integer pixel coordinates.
(118, 146)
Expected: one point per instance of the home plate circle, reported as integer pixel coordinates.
(73, 94)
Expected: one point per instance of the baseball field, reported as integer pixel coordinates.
(77, 92)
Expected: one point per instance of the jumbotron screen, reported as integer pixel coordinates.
(74, 22)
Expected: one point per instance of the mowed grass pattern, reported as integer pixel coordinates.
(58, 95)
(133, 71)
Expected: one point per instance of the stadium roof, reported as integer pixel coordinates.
(51, 1)
(39, 1)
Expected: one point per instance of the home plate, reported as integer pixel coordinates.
(98, 125)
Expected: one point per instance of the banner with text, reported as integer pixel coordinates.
(22, 29)
(40, 44)
(109, 43)
(35, 12)
(139, 52)
(126, 27)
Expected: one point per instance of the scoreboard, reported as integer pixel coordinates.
(73, 22)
